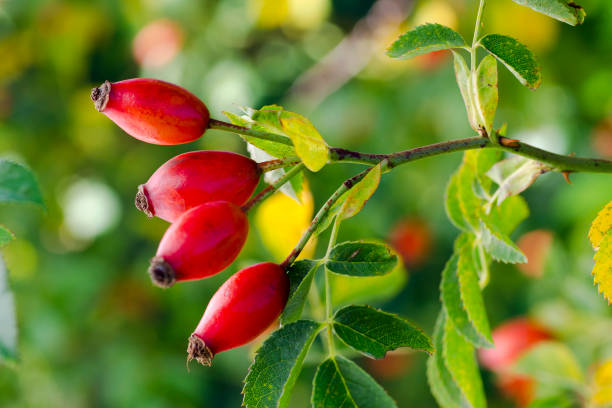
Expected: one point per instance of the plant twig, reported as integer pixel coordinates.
(263, 194)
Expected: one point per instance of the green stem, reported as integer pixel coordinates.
(321, 215)
(228, 127)
(328, 298)
(556, 161)
(475, 37)
(263, 194)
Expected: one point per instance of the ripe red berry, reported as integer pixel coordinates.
(241, 309)
(194, 178)
(153, 111)
(513, 339)
(202, 242)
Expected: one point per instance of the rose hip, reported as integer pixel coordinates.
(153, 111)
(194, 178)
(241, 309)
(202, 242)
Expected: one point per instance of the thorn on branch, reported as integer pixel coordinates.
(566, 176)
(506, 142)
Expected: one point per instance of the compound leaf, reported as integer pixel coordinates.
(424, 39)
(562, 10)
(516, 57)
(499, 246)
(361, 259)
(309, 145)
(300, 274)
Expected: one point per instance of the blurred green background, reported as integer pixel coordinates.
(94, 332)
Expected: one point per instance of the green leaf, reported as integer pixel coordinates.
(555, 401)
(552, 363)
(469, 203)
(485, 84)
(367, 289)
(509, 214)
(340, 383)
(360, 193)
(461, 295)
(275, 149)
(602, 271)
(462, 365)
(8, 318)
(516, 57)
(374, 332)
(361, 259)
(424, 39)
(562, 10)
(515, 175)
(6, 235)
(453, 205)
(463, 77)
(441, 383)
(309, 145)
(499, 246)
(300, 274)
(480, 161)
(18, 184)
(277, 364)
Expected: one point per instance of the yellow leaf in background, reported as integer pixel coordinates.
(602, 272)
(281, 221)
(269, 13)
(309, 145)
(601, 225)
(603, 384)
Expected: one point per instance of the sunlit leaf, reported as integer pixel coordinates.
(275, 149)
(603, 384)
(374, 332)
(516, 57)
(341, 383)
(300, 274)
(424, 39)
(441, 383)
(8, 318)
(499, 245)
(17, 184)
(602, 271)
(361, 259)
(277, 364)
(309, 145)
(601, 225)
(360, 193)
(485, 87)
(562, 10)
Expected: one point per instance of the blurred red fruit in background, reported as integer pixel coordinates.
(536, 246)
(412, 239)
(157, 43)
(602, 138)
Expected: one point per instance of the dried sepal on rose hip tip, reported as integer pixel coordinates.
(190, 179)
(200, 243)
(153, 111)
(241, 309)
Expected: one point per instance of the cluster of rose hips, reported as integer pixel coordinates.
(200, 193)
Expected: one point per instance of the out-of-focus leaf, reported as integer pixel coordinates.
(424, 39)
(555, 401)
(481, 161)
(602, 394)
(562, 10)
(341, 383)
(374, 332)
(17, 184)
(6, 235)
(464, 306)
(485, 84)
(300, 274)
(8, 318)
(552, 363)
(509, 214)
(469, 202)
(602, 271)
(462, 365)
(499, 246)
(516, 57)
(275, 149)
(360, 193)
(514, 175)
(277, 364)
(441, 383)
(453, 205)
(309, 145)
(367, 289)
(361, 259)
(463, 77)
(601, 225)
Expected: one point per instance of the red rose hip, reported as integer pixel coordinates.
(202, 242)
(241, 309)
(194, 178)
(153, 111)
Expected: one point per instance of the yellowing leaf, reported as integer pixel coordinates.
(602, 272)
(357, 196)
(309, 145)
(601, 225)
(281, 221)
(603, 384)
